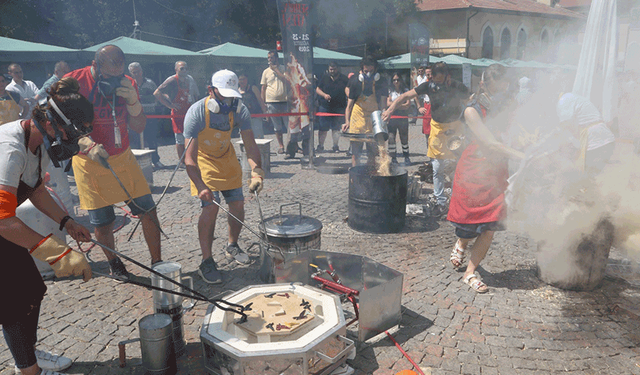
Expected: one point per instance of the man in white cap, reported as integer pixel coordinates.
(213, 167)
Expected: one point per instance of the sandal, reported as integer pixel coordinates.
(475, 283)
(281, 150)
(457, 256)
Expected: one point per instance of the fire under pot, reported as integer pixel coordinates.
(290, 329)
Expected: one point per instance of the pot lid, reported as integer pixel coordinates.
(292, 225)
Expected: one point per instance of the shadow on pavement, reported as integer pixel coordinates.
(513, 279)
(160, 189)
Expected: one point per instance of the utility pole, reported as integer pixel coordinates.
(136, 25)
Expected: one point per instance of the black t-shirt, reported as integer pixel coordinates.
(447, 101)
(355, 88)
(335, 88)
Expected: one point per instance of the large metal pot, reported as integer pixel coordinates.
(287, 235)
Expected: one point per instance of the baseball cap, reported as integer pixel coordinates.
(226, 82)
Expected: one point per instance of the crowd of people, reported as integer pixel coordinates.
(90, 119)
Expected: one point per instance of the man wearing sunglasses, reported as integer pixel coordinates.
(177, 93)
(11, 103)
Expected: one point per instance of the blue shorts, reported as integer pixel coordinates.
(232, 195)
(326, 123)
(179, 138)
(106, 215)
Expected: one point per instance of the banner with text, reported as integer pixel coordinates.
(295, 24)
(418, 47)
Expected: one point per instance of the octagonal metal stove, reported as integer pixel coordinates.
(291, 329)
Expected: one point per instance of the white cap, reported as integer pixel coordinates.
(226, 82)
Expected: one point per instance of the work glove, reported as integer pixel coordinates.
(255, 184)
(129, 94)
(64, 261)
(93, 151)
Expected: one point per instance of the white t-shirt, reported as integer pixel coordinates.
(16, 160)
(583, 113)
(28, 90)
(420, 80)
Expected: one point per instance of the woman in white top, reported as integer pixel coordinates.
(399, 125)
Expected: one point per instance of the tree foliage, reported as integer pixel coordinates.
(190, 25)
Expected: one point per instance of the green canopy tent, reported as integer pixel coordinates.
(36, 59)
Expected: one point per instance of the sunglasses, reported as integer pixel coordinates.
(182, 68)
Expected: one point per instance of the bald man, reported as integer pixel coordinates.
(115, 101)
(59, 70)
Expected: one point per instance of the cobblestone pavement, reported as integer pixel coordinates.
(522, 326)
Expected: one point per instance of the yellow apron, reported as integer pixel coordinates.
(581, 162)
(360, 122)
(9, 111)
(441, 133)
(217, 161)
(97, 187)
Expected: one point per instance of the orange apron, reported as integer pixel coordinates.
(217, 161)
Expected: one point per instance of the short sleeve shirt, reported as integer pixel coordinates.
(276, 91)
(16, 160)
(447, 101)
(420, 80)
(48, 83)
(335, 88)
(584, 114)
(355, 88)
(194, 120)
(170, 87)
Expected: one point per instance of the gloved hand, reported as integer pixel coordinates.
(93, 151)
(255, 184)
(64, 261)
(130, 94)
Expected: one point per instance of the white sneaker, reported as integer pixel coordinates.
(51, 362)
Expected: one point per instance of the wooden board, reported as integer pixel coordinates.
(279, 310)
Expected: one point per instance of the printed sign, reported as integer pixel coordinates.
(295, 24)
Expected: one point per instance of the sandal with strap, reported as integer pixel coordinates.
(457, 256)
(475, 283)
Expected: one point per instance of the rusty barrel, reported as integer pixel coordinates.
(582, 266)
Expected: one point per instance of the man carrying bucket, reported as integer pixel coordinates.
(366, 95)
(213, 167)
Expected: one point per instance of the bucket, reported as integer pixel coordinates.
(377, 204)
(143, 157)
(380, 132)
(156, 345)
(581, 268)
(171, 304)
(288, 235)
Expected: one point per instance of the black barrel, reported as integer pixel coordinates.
(377, 204)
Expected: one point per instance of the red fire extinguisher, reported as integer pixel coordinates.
(278, 45)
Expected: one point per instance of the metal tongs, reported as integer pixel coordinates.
(239, 309)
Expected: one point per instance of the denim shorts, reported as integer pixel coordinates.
(232, 195)
(179, 138)
(106, 215)
(280, 123)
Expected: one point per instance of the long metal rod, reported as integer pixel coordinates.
(202, 297)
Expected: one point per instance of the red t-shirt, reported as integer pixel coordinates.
(103, 127)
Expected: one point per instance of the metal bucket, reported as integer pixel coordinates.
(377, 204)
(156, 345)
(288, 235)
(171, 304)
(380, 132)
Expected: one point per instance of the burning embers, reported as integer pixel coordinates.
(383, 162)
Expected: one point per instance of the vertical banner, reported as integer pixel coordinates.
(295, 25)
(418, 47)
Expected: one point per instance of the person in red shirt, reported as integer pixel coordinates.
(116, 108)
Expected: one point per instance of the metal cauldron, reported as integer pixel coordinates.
(287, 236)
